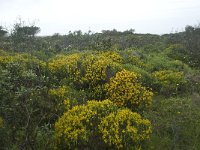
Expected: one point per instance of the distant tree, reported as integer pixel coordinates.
(113, 32)
(131, 31)
(3, 39)
(192, 43)
(23, 36)
(56, 35)
(3, 32)
(25, 31)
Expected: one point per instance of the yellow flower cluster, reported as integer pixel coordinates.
(114, 56)
(6, 59)
(103, 121)
(66, 66)
(169, 81)
(124, 128)
(25, 59)
(78, 124)
(166, 77)
(125, 90)
(86, 71)
(59, 93)
(60, 97)
(97, 69)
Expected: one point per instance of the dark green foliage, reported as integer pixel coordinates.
(176, 123)
(24, 104)
(190, 45)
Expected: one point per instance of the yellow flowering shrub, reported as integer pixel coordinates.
(59, 93)
(20, 58)
(125, 90)
(100, 124)
(97, 71)
(94, 69)
(6, 59)
(60, 97)
(97, 68)
(80, 68)
(124, 129)
(114, 56)
(168, 82)
(66, 66)
(79, 125)
(86, 71)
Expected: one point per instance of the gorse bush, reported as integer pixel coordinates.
(124, 129)
(169, 82)
(60, 98)
(100, 125)
(88, 72)
(125, 90)
(78, 127)
(98, 69)
(83, 125)
(114, 56)
(26, 60)
(65, 66)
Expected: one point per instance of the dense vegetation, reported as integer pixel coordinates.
(108, 90)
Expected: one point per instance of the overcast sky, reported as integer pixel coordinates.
(61, 16)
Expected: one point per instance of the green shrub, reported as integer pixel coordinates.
(175, 124)
(145, 77)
